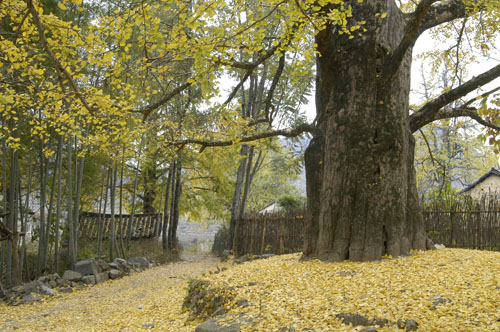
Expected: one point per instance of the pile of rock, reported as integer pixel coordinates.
(88, 272)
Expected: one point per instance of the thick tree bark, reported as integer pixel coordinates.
(362, 199)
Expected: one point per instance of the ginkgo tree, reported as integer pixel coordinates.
(362, 200)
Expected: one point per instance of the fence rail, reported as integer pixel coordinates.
(142, 225)
(467, 224)
(463, 224)
(270, 233)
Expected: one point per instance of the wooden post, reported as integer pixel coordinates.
(263, 242)
(252, 233)
(281, 231)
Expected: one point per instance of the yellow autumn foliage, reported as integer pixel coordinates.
(284, 292)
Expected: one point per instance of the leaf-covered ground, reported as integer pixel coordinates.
(442, 290)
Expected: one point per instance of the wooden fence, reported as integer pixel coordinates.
(461, 224)
(467, 224)
(143, 225)
(276, 233)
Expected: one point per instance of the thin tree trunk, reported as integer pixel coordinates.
(4, 201)
(71, 225)
(24, 216)
(175, 206)
(101, 198)
(79, 179)
(134, 195)
(43, 201)
(240, 178)
(120, 225)
(11, 217)
(103, 219)
(243, 202)
(158, 219)
(113, 247)
(58, 204)
(49, 214)
(170, 241)
(164, 238)
(15, 237)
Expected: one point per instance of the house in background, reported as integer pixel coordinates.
(271, 207)
(488, 184)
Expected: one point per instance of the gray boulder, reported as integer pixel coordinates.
(89, 280)
(47, 291)
(120, 261)
(115, 274)
(66, 290)
(48, 278)
(87, 267)
(212, 325)
(142, 262)
(114, 266)
(411, 325)
(369, 329)
(33, 286)
(103, 266)
(30, 299)
(101, 277)
(72, 275)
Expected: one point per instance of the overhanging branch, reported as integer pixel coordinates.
(445, 11)
(293, 132)
(146, 110)
(428, 112)
(470, 112)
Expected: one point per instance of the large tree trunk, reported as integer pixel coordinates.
(361, 189)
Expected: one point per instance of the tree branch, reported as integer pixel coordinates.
(428, 112)
(293, 132)
(409, 38)
(146, 110)
(470, 112)
(274, 84)
(428, 146)
(443, 12)
(237, 87)
(55, 61)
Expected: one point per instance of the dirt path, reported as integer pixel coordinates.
(150, 300)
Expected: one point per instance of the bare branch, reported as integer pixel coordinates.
(274, 84)
(293, 132)
(146, 110)
(428, 112)
(470, 112)
(428, 146)
(237, 87)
